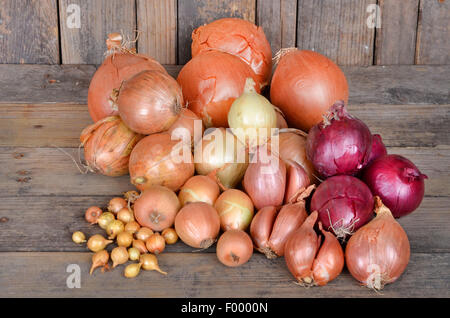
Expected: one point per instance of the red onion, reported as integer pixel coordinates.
(398, 183)
(340, 144)
(378, 149)
(344, 204)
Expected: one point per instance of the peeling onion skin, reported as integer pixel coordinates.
(344, 204)
(150, 102)
(304, 85)
(116, 68)
(152, 162)
(108, 145)
(210, 83)
(296, 179)
(378, 253)
(329, 261)
(238, 37)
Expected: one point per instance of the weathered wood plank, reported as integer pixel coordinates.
(193, 13)
(50, 125)
(46, 223)
(396, 37)
(337, 29)
(29, 32)
(433, 33)
(85, 43)
(201, 275)
(278, 20)
(157, 20)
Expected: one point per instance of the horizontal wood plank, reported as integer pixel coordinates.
(50, 171)
(201, 275)
(50, 125)
(391, 85)
(46, 223)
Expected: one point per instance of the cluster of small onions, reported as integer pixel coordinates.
(135, 243)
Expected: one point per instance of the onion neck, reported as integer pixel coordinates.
(336, 112)
(412, 174)
(380, 208)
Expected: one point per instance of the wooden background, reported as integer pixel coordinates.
(405, 31)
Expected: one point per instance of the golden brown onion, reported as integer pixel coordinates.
(234, 248)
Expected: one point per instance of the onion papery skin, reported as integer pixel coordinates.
(184, 127)
(156, 208)
(378, 253)
(234, 248)
(238, 37)
(344, 203)
(378, 149)
(150, 102)
(222, 156)
(199, 189)
(329, 261)
(116, 68)
(292, 146)
(296, 180)
(107, 146)
(197, 224)
(304, 85)
(265, 182)
(341, 144)
(211, 82)
(158, 160)
(235, 210)
(398, 182)
(300, 250)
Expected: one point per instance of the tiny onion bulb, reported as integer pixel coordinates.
(78, 237)
(170, 236)
(143, 234)
(149, 262)
(132, 227)
(114, 228)
(104, 219)
(133, 254)
(119, 256)
(140, 245)
(92, 214)
(97, 243)
(99, 258)
(155, 243)
(124, 239)
(132, 270)
(125, 215)
(117, 204)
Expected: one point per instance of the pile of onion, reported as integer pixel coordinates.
(150, 102)
(120, 65)
(107, 146)
(310, 262)
(238, 37)
(304, 85)
(344, 204)
(158, 160)
(156, 208)
(340, 144)
(378, 253)
(222, 156)
(210, 82)
(398, 182)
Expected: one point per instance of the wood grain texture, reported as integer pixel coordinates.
(46, 223)
(24, 174)
(59, 124)
(194, 13)
(29, 32)
(278, 20)
(201, 275)
(98, 18)
(157, 20)
(337, 29)
(433, 32)
(396, 38)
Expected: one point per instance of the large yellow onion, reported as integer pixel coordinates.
(158, 160)
(221, 155)
(107, 146)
